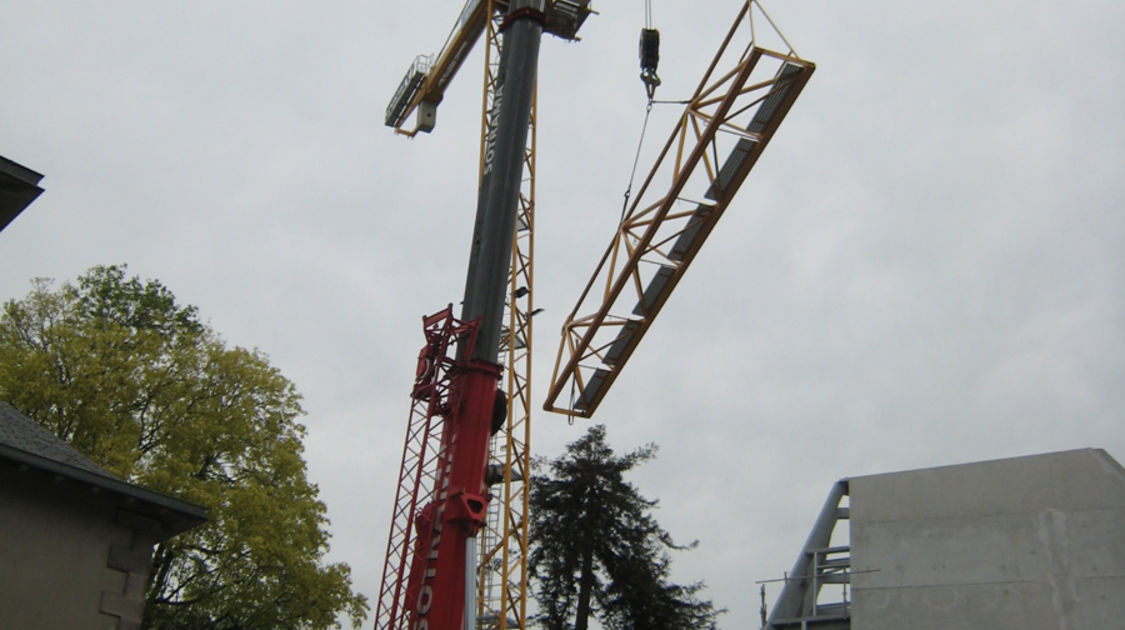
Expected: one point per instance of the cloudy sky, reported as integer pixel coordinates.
(925, 267)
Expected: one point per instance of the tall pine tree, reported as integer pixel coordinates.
(597, 550)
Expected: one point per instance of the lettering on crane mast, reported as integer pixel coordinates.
(490, 139)
(426, 593)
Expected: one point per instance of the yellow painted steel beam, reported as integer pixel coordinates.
(734, 112)
(427, 79)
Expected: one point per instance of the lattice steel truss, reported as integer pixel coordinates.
(729, 120)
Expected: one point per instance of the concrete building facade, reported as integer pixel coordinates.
(1030, 543)
(1027, 543)
(75, 541)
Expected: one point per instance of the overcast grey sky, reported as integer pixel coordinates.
(925, 267)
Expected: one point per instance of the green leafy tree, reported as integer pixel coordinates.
(136, 382)
(596, 549)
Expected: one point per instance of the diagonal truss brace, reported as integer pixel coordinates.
(734, 112)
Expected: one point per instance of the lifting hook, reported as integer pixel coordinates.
(650, 57)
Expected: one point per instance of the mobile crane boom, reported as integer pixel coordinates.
(443, 600)
(429, 579)
(441, 501)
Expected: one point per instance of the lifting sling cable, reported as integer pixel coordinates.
(636, 160)
(650, 56)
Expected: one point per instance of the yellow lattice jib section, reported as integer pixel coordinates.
(731, 117)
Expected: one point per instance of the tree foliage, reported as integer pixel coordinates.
(139, 384)
(597, 550)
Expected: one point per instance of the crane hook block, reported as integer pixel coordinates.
(650, 57)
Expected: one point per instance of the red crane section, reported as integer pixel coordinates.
(425, 481)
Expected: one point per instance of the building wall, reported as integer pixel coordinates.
(1028, 543)
(69, 556)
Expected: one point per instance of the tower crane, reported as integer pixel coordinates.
(455, 556)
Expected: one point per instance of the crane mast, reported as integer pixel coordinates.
(441, 503)
(502, 587)
(444, 579)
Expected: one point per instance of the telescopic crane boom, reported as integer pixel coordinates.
(429, 577)
(441, 589)
(442, 499)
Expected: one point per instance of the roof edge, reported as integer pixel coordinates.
(1099, 454)
(20, 172)
(178, 515)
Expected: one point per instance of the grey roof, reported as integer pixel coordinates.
(19, 431)
(25, 443)
(19, 186)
